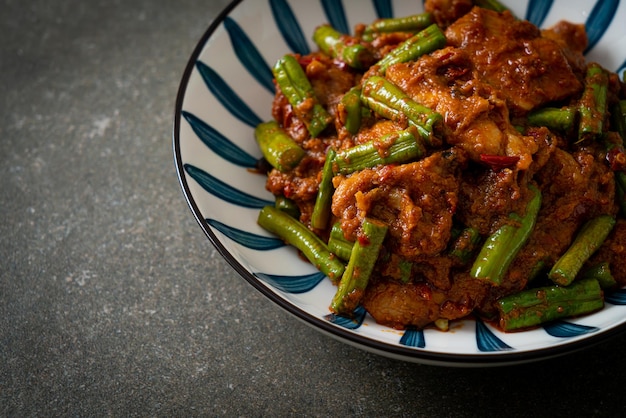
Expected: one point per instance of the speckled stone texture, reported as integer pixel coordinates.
(112, 300)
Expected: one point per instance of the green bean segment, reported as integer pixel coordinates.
(360, 266)
(423, 42)
(333, 43)
(590, 237)
(390, 102)
(412, 23)
(537, 306)
(323, 200)
(296, 87)
(338, 244)
(593, 103)
(351, 103)
(561, 119)
(501, 248)
(602, 273)
(298, 235)
(282, 152)
(465, 245)
(396, 147)
(288, 206)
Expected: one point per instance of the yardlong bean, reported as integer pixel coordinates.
(296, 87)
(297, 234)
(540, 305)
(357, 273)
(389, 101)
(282, 152)
(587, 241)
(502, 246)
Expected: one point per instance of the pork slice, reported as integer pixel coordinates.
(417, 200)
(512, 55)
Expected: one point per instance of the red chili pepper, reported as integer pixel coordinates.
(363, 241)
(288, 191)
(498, 162)
(305, 61)
(616, 157)
(445, 56)
(287, 115)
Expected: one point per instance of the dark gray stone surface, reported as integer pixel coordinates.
(112, 300)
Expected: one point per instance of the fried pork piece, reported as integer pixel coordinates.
(572, 38)
(418, 304)
(475, 115)
(488, 196)
(400, 305)
(417, 200)
(511, 55)
(445, 12)
(575, 187)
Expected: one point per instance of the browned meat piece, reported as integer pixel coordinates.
(511, 55)
(329, 79)
(445, 12)
(575, 187)
(400, 305)
(417, 201)
(376, 131)
(300, 185)
(434, 270)
(475, 115)
(486, 199)
(572, 38)
(488, 196)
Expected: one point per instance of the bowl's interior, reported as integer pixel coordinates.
(226, 90)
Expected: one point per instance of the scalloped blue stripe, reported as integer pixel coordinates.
(413, 338)
(292, 284)
(245, 238)
(336, 15)
(599, 20)
(563, 329)
(616, 297)
(537, 10)
(289, 27)
(487, 341)
(218, 143)
(249, 55)
(226, 96)
(224, 191)
(384, 8)
(349, 323)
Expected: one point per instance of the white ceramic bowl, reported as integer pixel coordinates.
(227, 89)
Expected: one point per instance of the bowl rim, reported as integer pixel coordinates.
(409, 354)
